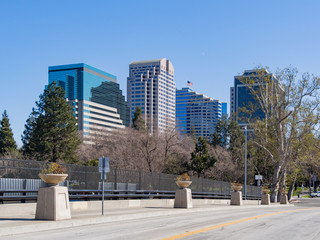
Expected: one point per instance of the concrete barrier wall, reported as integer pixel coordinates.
(17, 210)
(28, 209)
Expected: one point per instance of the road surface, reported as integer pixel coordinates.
(263, 223)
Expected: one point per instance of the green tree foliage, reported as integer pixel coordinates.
(50, 131)
(7, 142)
(229, 136)
(137, 121)
(237, 140)
(222, 134)
(93, 163)
(27, 145)
(193, 133)
(200, 158)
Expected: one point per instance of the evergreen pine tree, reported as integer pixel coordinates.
(221, 135)
(193, 133)
(137, 121)
(51, 130)
(29, 147)
(237, 140)
(7, 142)
(237, 137)
(200, 158)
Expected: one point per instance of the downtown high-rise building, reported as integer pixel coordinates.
(151, 87)
(244, 106)
(197, 111)
(94, 95)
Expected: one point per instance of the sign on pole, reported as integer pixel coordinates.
(103, 169)
(259, 179)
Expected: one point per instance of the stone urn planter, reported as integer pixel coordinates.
(183, 196)
(183, 184)
(53, 179)
(265, 198)
(236, 187)
(53, 201)
(236, 195)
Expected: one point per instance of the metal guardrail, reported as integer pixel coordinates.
(90, 194)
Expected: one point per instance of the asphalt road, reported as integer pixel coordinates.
(299, 222)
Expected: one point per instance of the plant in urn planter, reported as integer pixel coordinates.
(183, 181)
(53, 174)
(283, 191)
(236, 186)
(265, 190)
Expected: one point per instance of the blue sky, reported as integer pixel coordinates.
(208, 42)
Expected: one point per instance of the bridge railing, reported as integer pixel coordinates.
(93, 194)
(23, 175)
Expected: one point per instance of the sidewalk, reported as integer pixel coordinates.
(26, 223)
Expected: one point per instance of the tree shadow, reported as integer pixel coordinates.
(17, 219)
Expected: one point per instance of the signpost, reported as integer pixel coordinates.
(259, 179)
(103, 169)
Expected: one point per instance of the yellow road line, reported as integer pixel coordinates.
(228, 224)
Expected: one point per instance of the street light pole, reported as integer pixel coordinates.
(245, 163)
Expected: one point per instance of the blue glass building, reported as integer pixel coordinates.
(197, 110)
(244, 107)
(95, 96)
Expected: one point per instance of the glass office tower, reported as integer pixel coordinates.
(198, 111)
(244, 107)
(95, 96)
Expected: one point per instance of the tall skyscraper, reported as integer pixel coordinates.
(151, 87)
(95, 96)
(198, 111)
(243, 104)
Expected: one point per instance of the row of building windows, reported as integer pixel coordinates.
(102, 120)
(144, 67)
(99, 125)
(103, 115)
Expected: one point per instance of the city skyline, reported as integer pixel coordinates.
(208, 42)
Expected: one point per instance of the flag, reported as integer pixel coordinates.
(189, 83)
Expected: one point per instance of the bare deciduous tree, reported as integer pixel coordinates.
(291, 106)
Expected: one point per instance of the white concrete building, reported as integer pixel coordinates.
(151, 87)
